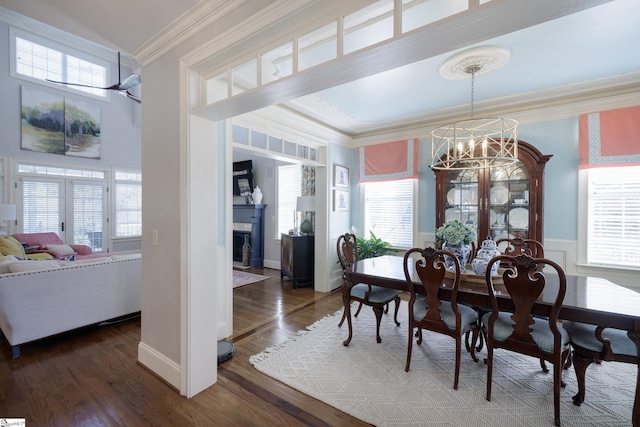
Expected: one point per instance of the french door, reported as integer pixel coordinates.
(75, 209)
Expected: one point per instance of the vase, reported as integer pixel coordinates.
(487, 251)
(246, 251)
(461, 251)
(257, 195)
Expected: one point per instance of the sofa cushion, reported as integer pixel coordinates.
(33, 265)
(10, 246)
(39, 239)
(4, 263)
(61, 249)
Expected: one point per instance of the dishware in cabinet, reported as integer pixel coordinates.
(505, 201)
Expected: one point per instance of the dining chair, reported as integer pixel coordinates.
(518, 245)
(594, 343)
(376, 297)
(533, 248)
(428, 311)
(518, 330)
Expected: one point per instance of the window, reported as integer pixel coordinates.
(289, 188)
(613, 216)
(128, 204)
(41, 59)
(389, 211)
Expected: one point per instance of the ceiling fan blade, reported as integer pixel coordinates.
(78, 84)
(132, 81)
(131, 96)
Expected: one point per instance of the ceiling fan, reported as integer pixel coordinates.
(121, 87)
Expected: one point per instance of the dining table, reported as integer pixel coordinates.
(592, 300)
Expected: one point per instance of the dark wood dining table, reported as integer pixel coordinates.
(591, 300)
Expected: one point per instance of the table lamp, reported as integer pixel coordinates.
(306, 204)
(7, 213)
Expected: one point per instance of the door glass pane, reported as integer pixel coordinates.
(41, 207)
(88, 216)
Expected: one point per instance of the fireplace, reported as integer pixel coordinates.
(249, 220)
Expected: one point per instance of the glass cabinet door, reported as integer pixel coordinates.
(461, 201)
(508, 202)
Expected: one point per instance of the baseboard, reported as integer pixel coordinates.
(166, 369)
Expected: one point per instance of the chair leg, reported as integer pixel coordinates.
(344, 316)
(543, 365)
(358, 310)
(409, 348)
(580, 365)
(457, 362)
(557, 380)
(386, 308)
(378, 312)
(489, 362)
(395, 314)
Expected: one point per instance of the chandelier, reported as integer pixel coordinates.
(475, 143)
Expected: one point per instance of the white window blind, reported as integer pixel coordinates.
(88, 214)
(41, 206)
(289, 188)
(388, 211)
(128, 204)
(614, 216)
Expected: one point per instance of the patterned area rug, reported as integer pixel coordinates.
(241, 278)
(368, 381)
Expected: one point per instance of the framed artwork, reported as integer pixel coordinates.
(55, 124)
(340, 200)
(340, 176)
(42, 115)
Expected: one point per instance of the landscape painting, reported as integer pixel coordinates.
(82, 129)
(42, 121)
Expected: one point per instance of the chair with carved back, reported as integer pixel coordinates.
(374, 296)
(533, 248)
(518, 330)
(594, 343)
(427, 311)
(517, 245)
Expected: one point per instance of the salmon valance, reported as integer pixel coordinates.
(610, 138)
(388, 161)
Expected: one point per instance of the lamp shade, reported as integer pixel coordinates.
(306, 204)
(7, 212)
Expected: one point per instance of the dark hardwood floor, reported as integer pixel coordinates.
(90, 377)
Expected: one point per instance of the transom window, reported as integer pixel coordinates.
(40, 59)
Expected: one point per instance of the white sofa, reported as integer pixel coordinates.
(40, 303)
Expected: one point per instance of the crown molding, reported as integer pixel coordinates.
(188, 25)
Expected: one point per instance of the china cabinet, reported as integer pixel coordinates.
(504, 201)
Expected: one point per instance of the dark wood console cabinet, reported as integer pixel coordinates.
(297, 259)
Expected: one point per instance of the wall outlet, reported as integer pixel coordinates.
(154, 237)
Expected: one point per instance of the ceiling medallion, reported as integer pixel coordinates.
(476, 143)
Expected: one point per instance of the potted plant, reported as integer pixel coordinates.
(456, 237)
(373, 247)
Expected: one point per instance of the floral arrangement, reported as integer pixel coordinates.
(455, 232)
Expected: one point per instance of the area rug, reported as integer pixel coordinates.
(368, 381)
(241, 278)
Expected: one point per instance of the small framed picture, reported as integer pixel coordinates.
(340, 176)
(340, 200)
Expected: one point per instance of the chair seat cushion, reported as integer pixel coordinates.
(378, 295)
(468, 316)
(584, 335)
(541, 333)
